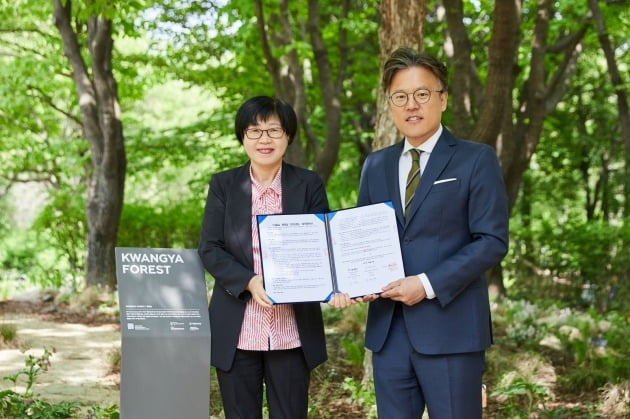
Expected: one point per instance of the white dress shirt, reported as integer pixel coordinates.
(404, 164)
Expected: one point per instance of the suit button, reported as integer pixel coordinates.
(406, 240)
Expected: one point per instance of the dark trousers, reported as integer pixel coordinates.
(405, 380)
(285, 377)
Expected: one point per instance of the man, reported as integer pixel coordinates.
(428, 331)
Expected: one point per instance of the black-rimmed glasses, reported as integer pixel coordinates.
(421, 96)
(256, 133)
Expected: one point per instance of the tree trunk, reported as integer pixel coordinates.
(497, 98)
(330, 89)
(401, 26)
(102, 128)
(466, 87)
(288, 79)
(286, 74)
(622, 97)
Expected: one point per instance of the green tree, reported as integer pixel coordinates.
(62, 138)
(316, 55)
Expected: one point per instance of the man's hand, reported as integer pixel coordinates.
(255, 286)
(408, 290)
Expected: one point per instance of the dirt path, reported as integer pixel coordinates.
(79, 365)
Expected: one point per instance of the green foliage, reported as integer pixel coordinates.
(63, 226)
(584, 380)
(26, 260)
(584, 262)
(592, 341)
(114, 358)
(560, 350)
(35, 365)
(353, 349)
(160, 226)
(15, 405)
(8, 333)
(100, 412)
(51, 252)
(219, 46)
(520, 394)
(5, 216)
(522, 323)
(26, 404)
(362, 395)
(563, 412)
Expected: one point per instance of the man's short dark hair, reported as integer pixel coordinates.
(404, 58)
(260, 108)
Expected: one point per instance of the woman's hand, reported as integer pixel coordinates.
(339, 300)
(255, 287)
(367, 298)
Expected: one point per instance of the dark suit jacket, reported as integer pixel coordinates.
(457, 228)
(226, 252)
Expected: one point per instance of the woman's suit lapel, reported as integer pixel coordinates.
(293, 191)
(240, 212)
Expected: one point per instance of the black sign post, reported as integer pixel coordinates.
(165, 330)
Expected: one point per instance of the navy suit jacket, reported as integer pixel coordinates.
(457, 228)
(226, 252)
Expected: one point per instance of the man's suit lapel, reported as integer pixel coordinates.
(392, 180)
(241, 212)
(440, 156)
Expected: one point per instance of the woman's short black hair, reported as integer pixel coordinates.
(260, 108)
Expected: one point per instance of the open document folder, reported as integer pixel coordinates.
(307, 257)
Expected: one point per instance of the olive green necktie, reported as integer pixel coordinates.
(413, 178)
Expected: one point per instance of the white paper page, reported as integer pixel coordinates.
(296, 265)
(366, 249)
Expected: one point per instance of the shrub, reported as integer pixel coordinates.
(27, 405)
(8, 333)
(520, 395)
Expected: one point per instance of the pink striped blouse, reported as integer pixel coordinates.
(275, 328)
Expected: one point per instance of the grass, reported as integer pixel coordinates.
(8, 335)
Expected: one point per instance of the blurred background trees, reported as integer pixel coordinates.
(544, 82)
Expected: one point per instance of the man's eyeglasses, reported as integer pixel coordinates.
(421, 96)
(256, 133)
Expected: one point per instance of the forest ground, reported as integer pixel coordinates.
(85, 341)
(82, 344)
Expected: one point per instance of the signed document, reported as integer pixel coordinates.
(307, 257)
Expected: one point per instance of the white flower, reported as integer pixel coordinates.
(604, 325)
(551, 341)
(572, 332)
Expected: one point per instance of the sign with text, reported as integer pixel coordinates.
(165, 329)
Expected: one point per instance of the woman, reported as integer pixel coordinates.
(254, 341)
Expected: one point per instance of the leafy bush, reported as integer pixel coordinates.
(581, 261)
(353, 349)
(362, 395)
(160, 226)
(62, 226)
(522, 325)
(27, 405)
(520, 395)
(581, 380)
(8, 333)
